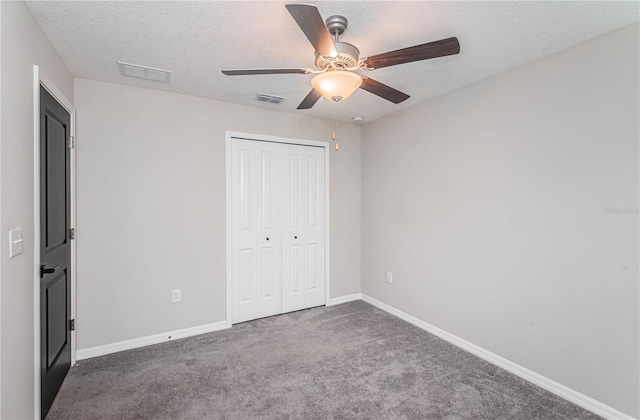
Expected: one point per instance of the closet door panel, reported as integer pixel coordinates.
(294, 221)
(270, 237)
(303, 227)
(256, 244)
(244, 225)
(315, 235)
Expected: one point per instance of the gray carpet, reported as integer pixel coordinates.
(346, 361)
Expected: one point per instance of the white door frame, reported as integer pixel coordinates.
(41, 79)
(229, 136)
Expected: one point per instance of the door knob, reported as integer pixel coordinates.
(295, 237)
(48, 270)
(267, 239)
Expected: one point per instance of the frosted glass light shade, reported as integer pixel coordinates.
(336, 84)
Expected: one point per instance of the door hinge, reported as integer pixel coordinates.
(72, 233)
(71, 143)
(72, 324)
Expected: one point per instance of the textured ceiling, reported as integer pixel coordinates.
(195, 40)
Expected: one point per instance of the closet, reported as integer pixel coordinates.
(277, 228)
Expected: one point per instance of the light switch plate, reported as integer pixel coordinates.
(15, 242)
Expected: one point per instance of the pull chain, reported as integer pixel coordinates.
(333, 133)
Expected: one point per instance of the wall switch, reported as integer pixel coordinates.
(15, 242)
(389, 277)
(176, 295)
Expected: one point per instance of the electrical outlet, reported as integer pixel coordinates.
(176, 295)
(389, 277)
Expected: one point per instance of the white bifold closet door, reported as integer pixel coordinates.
(277, 224)
(303, 227)
(257, 229)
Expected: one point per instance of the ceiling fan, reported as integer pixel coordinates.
(337, 61)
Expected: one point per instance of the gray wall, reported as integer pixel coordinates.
(151, 207)
(490, 205)
(23, 45)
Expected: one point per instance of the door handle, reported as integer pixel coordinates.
(48, 270)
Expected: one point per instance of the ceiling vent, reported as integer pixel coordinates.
(142, 72)
(263, 97)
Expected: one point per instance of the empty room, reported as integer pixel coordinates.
(320, 210)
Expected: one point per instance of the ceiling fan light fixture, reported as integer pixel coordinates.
(336, 84)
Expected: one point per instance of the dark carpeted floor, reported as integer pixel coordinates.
(346, 361)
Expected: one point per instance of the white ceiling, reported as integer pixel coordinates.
(195, 40)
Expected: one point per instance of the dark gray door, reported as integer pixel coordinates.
(55, 248)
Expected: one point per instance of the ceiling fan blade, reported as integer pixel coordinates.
(309, 20)
(444, 47)
(251, 72)
(310, 100)
(383, 91)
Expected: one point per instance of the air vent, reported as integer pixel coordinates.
(263, 97)
(143, 72)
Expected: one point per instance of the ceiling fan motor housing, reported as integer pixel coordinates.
(347, 57)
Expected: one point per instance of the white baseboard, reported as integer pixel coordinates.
(563, 391)
(344, 299)
(148, 340)
(135, 343)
